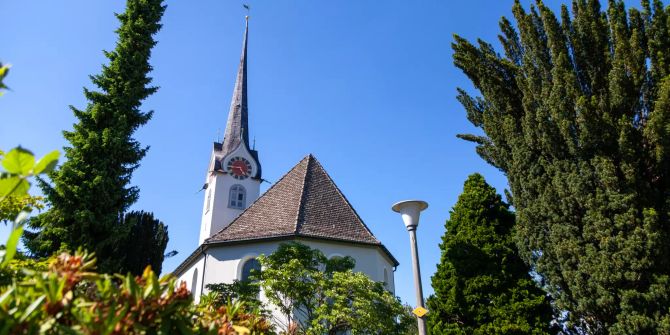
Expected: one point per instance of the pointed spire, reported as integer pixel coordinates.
(237, 127)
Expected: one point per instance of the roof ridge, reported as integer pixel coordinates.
(303, 187)
(337, 188)
(257, 199)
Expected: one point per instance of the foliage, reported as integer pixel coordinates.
(70, 298)
(481, 285)
(19, 166)
(153, 235)
(247, 291)
(11, 206)
(90, 192)
(576, 113)
(408, 322)
(15, 269)
(4, 71)
(291, 278)
(236, 315)
(317, 295)
(357, 304)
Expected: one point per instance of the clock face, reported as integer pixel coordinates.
(239, 168)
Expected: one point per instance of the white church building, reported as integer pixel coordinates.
(239, 224)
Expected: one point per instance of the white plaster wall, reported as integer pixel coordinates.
(224, 263)
(218, 215)
(187, 277)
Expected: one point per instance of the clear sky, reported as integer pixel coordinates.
(368, 87)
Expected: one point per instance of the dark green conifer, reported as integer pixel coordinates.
(482, 286)
(144, 244)
(91, 191)
(576, 113)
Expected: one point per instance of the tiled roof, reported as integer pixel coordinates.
(304, 202)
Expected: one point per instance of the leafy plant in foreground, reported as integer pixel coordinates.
(71, 298)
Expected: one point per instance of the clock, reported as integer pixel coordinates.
(239, 167)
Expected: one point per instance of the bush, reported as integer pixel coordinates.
(67, 296)
(71, 298)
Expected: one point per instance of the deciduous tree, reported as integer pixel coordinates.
(324, 296)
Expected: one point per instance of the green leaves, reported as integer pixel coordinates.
(142, 235)
(46, 163)
(93, 187)
(357, 304)
(19, 165)
(324, 296)
(576, 115)
(247, 291)
(481, 285)
(19, 161)
(13, 186)
(7, 255)
(50, 302)
(4, 70)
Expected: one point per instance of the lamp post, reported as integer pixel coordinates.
(410, 211)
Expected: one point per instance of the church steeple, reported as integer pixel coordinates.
(233, 179)
(237, 127)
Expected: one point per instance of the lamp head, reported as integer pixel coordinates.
(410, 211)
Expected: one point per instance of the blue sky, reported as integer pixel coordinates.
(368, 87)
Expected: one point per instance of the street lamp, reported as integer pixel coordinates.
(410, 211)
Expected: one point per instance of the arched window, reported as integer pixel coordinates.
(337, 262)
(194, 282)
(250, 266)
(238, 197)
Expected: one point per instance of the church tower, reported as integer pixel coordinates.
(234, 174)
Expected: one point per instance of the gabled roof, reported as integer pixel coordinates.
(304, 202)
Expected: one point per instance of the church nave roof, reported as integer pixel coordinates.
(304, 202)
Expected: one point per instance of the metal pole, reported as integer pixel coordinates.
(417, 278)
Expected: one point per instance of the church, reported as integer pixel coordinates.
(238, 223)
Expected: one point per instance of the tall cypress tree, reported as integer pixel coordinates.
(481, 285)
(576, 113)
(91, 190)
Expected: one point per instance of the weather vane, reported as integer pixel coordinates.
(246, 6)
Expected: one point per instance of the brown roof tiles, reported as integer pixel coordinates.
(304, 202)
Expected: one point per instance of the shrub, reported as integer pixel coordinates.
(71, 298)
